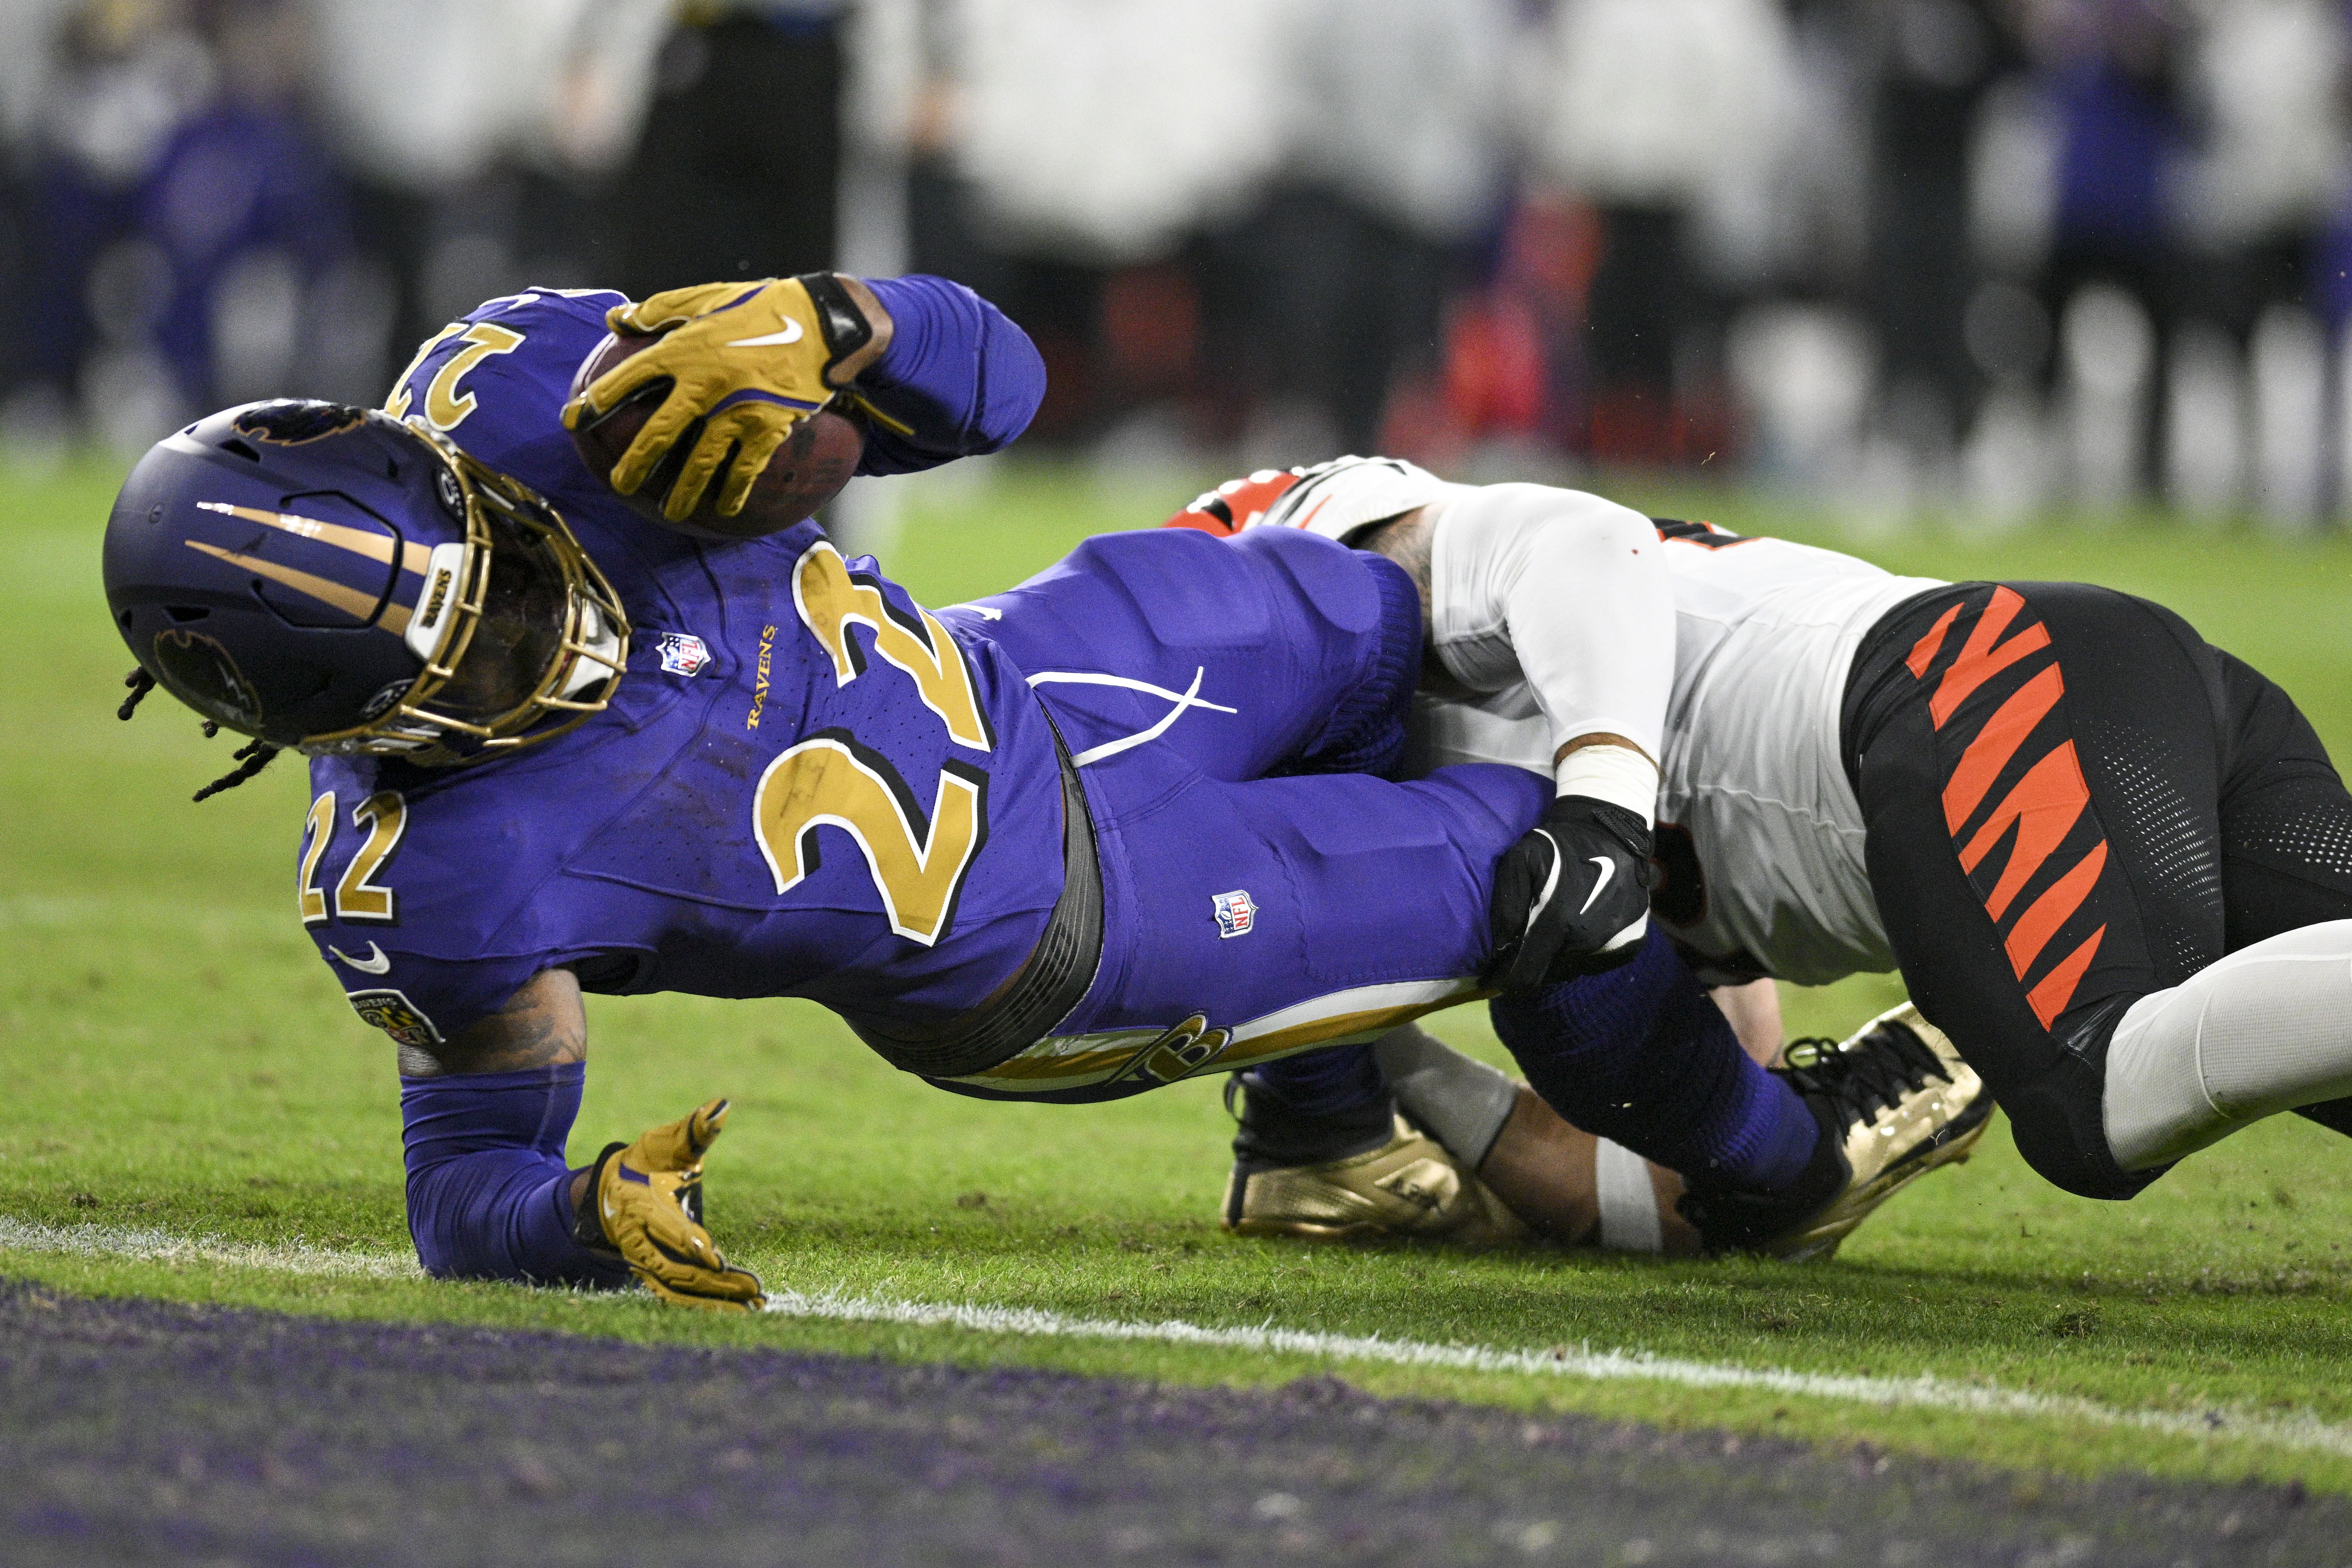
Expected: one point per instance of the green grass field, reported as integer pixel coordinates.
(175, 1058)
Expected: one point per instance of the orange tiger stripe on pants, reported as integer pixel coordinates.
(2039, 811)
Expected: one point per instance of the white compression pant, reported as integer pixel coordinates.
(2265, 1029)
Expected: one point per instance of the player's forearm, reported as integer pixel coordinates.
(484, 1118)
(1569, 1187)
(1578, 588)
(957, 371)
(1582, 1191)
(1753, 1011)
(1591, 616)
(489, 1196)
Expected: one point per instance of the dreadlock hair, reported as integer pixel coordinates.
(141, 684)
(250, 758)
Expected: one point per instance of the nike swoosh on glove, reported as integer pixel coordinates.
(649, 1205)
(1573, 897)
(749, 358)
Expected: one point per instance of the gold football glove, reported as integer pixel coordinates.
(747, 359)
(648, 1197)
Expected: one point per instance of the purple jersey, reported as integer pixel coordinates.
(809, 785)
(804, 785)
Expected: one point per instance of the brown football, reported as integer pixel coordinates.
(807, 471)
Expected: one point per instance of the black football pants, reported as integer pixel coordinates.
(2073, 800)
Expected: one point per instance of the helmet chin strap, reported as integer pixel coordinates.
(600, 662)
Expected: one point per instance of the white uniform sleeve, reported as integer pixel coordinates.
(1567, 592)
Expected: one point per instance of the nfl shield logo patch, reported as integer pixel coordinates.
(683, 653)
(1235, 914)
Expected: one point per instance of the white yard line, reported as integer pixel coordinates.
(163, 1246)
(1923, 1393)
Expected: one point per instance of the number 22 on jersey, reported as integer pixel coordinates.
(918, 862)
(446, 407)
(357, 897)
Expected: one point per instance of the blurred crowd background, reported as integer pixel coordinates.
(1990, 258)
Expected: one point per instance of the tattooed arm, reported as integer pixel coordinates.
(486, 1115)
(542, 1025)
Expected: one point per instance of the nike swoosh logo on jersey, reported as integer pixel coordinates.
(1608, 870)
(790, 334)
(378, 962)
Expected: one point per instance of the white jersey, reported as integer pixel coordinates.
(1765, 632)
(1744, 725)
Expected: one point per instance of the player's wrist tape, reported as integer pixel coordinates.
(587, 1227)
(844, 326)
(1628, 1201)
(1618, 774)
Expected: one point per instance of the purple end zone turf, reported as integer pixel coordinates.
(144, 1432)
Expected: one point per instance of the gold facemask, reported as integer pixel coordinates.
(534, 642)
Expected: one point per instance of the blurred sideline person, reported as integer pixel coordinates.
(2113, 862)
(1651, 111)
(1400, 132)
(1116, 828)
(738, 167)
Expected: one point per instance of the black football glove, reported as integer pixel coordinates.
(1573, 897)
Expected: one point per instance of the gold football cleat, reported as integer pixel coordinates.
(1906, 1103)
(1409, 1187)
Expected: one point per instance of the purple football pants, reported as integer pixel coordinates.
(1183, 671)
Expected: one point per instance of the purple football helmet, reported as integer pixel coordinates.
(326, 578)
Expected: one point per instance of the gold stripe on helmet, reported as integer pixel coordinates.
(596, 633)
(358, 540)
(326, 590)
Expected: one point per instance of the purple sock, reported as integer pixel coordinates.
(1329, 1082)
(1641, 1056)
(1314, 1106)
